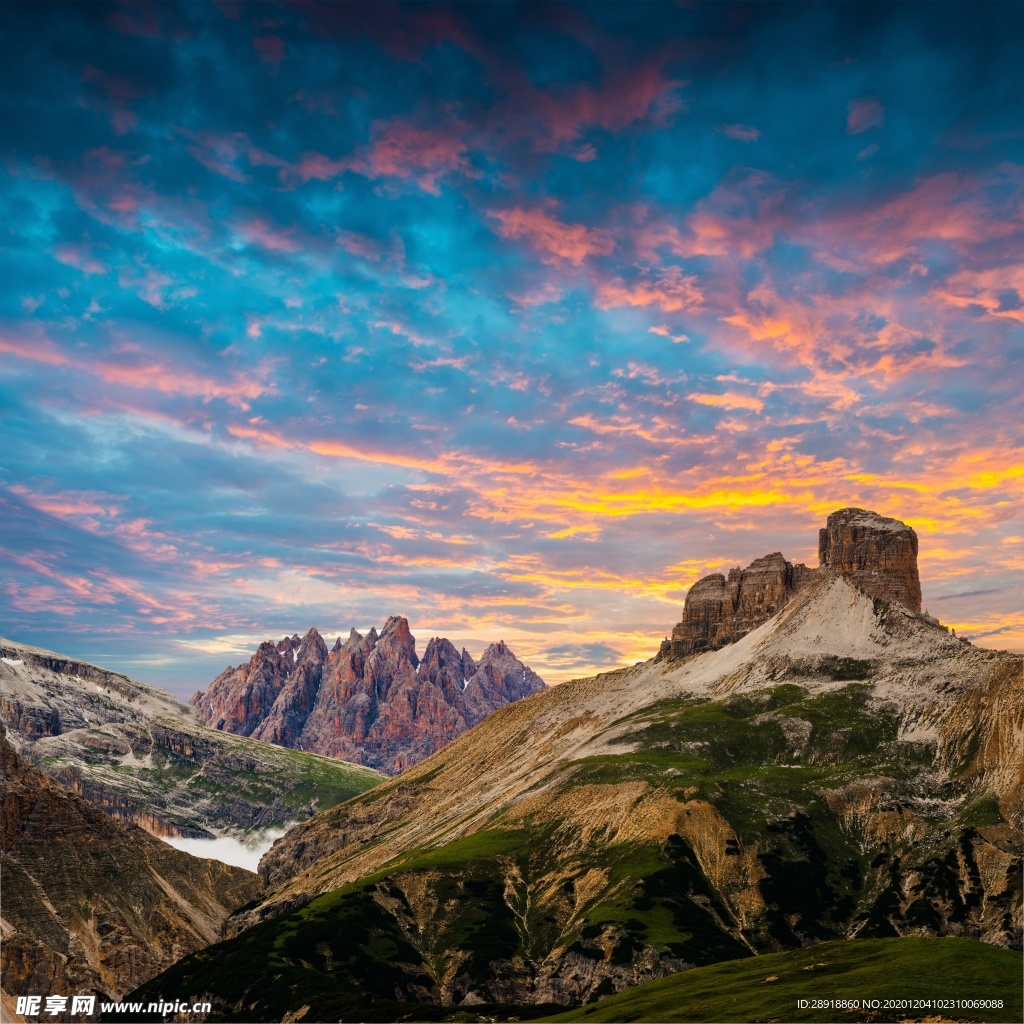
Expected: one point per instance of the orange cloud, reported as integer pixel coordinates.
(671, 291)
(550, 237)
(728, 400)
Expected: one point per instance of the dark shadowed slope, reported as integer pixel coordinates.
(91, 903)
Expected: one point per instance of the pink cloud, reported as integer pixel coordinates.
(35, 348)
(220, 152)
(628, 95)
(740, 132)
(237, 390)
(127, 366)
(999, 291)
(550, 237)
(961, 211)
(313, 166)
(863, 114)
(737, 220)
(85, 507)
(663, 331)
(400, 149)
(544, 295)
(670, 290)
(270, 49)
(118, 92)
(80, 256)
(258, 231)
(361, 245)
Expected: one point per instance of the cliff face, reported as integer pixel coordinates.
(95, 904)
(877, 555)
(369, 700)
(719, 611)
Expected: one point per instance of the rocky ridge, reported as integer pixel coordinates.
(876, 554)
(847, 768)
(92, 904)
(369, 700)
(139, 754)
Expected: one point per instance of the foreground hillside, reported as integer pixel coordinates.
(95, 904)
(136, 752)
(911, 979)
(847, 769)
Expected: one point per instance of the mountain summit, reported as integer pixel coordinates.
(369, 700)
(877, 555)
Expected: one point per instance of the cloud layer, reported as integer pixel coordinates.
(513, 320)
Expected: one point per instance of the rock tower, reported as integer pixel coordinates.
(876, 554)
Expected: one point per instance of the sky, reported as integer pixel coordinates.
(514, 319)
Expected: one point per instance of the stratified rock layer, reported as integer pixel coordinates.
(720, 611)
(369, 700)
(92, 904)
(877, 555)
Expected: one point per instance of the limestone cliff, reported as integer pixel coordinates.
(91, 903)
(369, 700)
(720, 610)
(876, 554)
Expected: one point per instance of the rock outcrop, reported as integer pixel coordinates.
(720, 610)
(369, 700)
(93, 904)
(877, 555)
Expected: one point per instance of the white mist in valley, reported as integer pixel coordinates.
(229, 850)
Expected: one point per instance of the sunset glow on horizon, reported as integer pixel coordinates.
(512, 319)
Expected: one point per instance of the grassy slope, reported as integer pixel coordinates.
(343, 954)
(222, 770)
(921, 969)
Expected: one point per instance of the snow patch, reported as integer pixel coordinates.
(228, 849)
(12, 661)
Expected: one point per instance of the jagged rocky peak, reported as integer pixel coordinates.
(876, 554)
(500, 674)
(370, 699)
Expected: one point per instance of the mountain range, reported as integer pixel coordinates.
(369, 700)
(810, 757)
